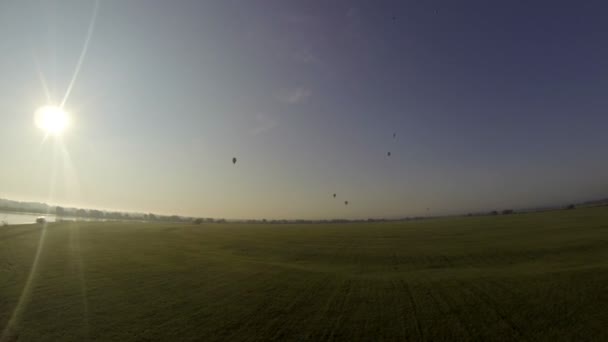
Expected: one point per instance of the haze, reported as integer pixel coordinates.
(494, 106)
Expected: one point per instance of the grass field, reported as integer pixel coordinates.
(526, 277)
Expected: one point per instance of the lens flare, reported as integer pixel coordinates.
(51, 119)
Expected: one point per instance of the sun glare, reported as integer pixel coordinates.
(51, 119)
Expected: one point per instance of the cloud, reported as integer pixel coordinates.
(295, 96)
(264, 123)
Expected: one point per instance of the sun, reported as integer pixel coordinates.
(51, 119)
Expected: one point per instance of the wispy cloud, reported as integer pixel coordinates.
(295, 96)
(263, 124)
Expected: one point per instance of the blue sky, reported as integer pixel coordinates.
(495, 105)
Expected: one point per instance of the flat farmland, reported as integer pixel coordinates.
(523, 277)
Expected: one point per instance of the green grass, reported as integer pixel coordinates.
(541, 276)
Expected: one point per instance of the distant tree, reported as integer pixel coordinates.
(198, 221)
(303, 221)
(81, 213)
(210, 220)
(98, 214)
(152, 217)
(507, 212)
(59, 211)
(494, 212)
(114, 215)
(570, 207)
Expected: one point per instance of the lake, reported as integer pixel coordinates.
(22, 218)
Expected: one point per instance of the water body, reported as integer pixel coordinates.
(12, 218)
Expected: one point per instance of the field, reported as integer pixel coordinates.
(524, 277)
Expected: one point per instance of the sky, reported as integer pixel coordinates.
(495, 105)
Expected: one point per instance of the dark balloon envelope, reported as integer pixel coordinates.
(233, 160)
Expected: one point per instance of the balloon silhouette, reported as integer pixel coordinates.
(345, 202)
(233, 160)
(334, 195)
(394, 135)
(388, 154)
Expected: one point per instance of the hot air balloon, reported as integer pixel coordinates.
(334, 195)
(234, 160)
(388, 154)
(345, 202)
(394, 135)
